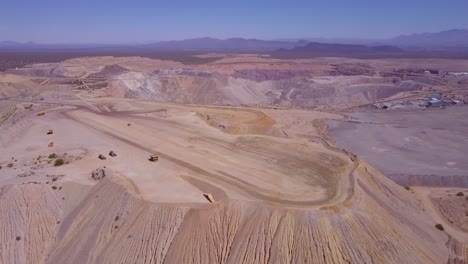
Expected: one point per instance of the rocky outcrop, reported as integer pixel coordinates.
(258, 87)
(109, 71)
(460, 181)
(99, 173)
(353, 69)
(260, 75)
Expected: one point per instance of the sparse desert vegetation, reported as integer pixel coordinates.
(453, 206)
(59, 162)
(440, 227)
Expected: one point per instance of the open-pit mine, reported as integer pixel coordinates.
(245, 159)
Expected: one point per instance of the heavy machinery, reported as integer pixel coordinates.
(50, 132)
(154, 158)
(40, 113)
(210, 197)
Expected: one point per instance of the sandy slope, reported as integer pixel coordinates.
(109, 225)
(282, 196)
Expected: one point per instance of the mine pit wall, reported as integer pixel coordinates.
(457, 181)
(381, 223)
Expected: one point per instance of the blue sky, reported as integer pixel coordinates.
(106, 21)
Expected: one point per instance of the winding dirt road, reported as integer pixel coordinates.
(275, 171)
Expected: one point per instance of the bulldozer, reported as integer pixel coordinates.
(40, 113)
(154, 158)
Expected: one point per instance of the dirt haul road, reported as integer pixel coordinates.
(286, 172)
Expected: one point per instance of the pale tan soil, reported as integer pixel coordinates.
(193, 146)
(7, 111)
(443, 212)
(459, 252)
(365, 229)
(82, 67)
(452, 207)
(283, 192)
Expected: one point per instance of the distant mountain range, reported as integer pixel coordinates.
(450, 43)
(231, 44)
(338, 50)
(13, 45)
(198, 44)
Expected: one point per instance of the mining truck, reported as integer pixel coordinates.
(210, 197)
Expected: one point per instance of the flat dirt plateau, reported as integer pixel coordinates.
(284, 193)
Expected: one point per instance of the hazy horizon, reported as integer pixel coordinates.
(123, 22)
(336, 39)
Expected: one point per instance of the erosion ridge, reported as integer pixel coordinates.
(111, 223)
